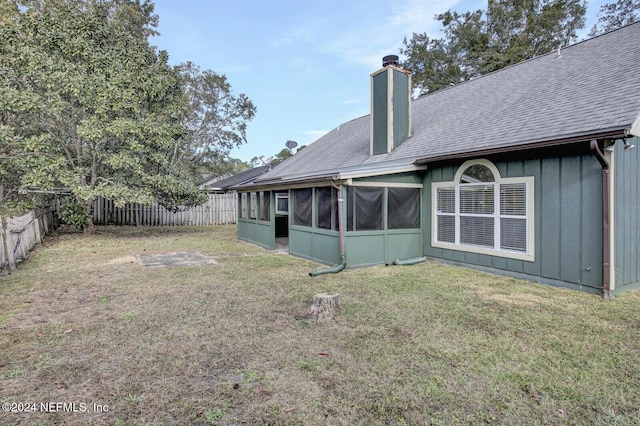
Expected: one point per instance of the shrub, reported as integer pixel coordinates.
(73, 214)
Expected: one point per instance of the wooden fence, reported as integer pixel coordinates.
(19, 234)
(220, 209)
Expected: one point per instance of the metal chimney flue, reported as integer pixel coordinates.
(390, 60)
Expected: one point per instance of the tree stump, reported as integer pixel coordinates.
(324, 305)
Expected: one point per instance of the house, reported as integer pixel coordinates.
(243, 178)
(528, 172)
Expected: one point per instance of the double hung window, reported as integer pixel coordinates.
(481, 212)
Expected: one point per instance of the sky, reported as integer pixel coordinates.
(305, 65)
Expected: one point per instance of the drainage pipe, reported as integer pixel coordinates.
(412, 261)
(606, 229)
(343, 255)
(339, 267)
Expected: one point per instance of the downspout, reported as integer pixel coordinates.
(343, 255)
(606, 229)
(412, 261)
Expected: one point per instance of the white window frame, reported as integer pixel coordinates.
(528, 255)
(280, 195)
(253, 205)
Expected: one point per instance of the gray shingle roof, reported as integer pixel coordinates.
(248, 176)
(590, 87)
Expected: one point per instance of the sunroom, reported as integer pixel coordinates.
(382, 220)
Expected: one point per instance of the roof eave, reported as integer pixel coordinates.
(336, 176)
(613, 133)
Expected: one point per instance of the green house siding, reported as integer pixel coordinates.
(260, 233)
(567, 222)
(379, 113)
(400, 107)
(257, 231)
(626, 170)
(377, 247)
(315, 244)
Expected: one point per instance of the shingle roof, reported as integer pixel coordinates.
(248, 176)
(589, 87)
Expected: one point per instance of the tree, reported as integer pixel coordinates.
(615, 15)
(284, 154)
(482, 41)
(215, 121)
(88, 104)
(13, 100)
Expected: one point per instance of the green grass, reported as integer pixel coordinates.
(228, 344)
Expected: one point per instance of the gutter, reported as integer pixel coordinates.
(343, 254)
(615, 133)
(606, 229)
(341, 174)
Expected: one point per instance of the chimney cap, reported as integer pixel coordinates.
(390, 60)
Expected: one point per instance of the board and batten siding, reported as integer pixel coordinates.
(567, 221)
(626, 167)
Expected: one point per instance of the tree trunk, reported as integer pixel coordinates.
(90, 227)
(325, 305)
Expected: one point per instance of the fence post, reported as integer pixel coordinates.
(9, 246)
(36, 228)
(3, 250)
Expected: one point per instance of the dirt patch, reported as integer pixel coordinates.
(122, 260)
(174, 260)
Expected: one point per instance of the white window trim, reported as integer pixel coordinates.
(280, 195)
(528, 180)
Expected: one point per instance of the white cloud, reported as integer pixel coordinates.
(286, 38)
(366, 42)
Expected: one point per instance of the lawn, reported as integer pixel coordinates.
(89, 336)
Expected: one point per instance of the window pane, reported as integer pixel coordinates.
(476, 199)
(477, 231)
(477, 173)
(513, 199)
(403, 208)
(481, 211)
(327, 208)
(243, 205)
(302, 206)
(446, 200)
(364, 208)
(253, 205)
(447, 229)
(265, 206)
(513, 234)
(282, 203)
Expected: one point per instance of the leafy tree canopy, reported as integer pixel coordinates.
(482, 41)
(216, 122)
(284, 154)
(615, 15)
(88, 104)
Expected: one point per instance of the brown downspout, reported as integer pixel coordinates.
(606, 229)
(340, 217)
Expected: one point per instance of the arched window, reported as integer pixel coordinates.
(484, 213)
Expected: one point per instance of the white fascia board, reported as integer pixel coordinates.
(635, 127)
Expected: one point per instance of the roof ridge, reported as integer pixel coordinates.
(570, 46)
